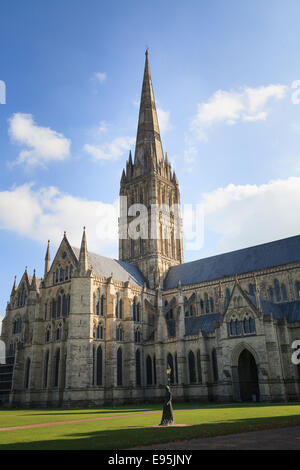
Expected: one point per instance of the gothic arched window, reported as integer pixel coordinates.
(232, 328)
(277, 290)
(58, 333)
(246, 326)
(176, 368)
(119, 367)
(46, 366)
(206, 303)
(284, 292)
(138, 367)
(271, 294)
(99, 366)
(211, 302)
(138, 312)
(47, 335)
(58, 307)
(227, 297)
(56, 368)
(251, 289)
(67, 273)
(215, 365)
(97, 302)
(27, 373)
(102, 305)
(251, 325)
(192, 310)
(192, 367)
(117, 306)
(100, 331)
(149, 370)
(134, 309)
(64, 305)
(154, 369)
(238, 327)
(119, 333)
(199, 366)
(171, 365)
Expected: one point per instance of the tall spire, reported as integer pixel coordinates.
(33, 281)
(83, 255)
(148, 129)
(14, 286)
(47, 259)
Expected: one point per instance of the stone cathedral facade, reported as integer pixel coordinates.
(96, 330)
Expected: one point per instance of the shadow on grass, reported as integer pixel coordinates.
(137, 436)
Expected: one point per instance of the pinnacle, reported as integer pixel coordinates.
(148, 129)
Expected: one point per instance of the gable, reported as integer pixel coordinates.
(239, 301)
(63, 261)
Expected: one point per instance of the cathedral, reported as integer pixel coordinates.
(97, 331)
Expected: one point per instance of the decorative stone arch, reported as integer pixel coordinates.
(239, 348)
(240, 313)
(235, 355)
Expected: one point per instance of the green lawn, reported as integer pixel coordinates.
(120, 433)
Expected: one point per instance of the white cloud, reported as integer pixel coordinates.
(110, 150)
(47, 213)
(240, 215)
(246, 215)
(102, 128)
(230, 107)
(43, 144)
(163, 120)
(99, 77)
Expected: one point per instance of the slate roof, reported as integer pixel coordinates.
(120, 271)
(291, 310)
(246, 260)
(205, 323)
(288, 310)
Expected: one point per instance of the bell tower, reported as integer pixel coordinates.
(150, 225)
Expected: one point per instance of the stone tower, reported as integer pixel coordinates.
(150, 226)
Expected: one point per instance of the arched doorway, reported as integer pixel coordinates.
(248, 377)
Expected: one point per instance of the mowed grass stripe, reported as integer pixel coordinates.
(138, 430)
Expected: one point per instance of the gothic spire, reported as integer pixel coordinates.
(83, 255)
(14, 286)
(47, 259)
(148, 128)
(33, 281)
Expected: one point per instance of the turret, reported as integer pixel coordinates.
(83, 255)
(47, 260)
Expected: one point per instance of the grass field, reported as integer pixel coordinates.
(130, 426)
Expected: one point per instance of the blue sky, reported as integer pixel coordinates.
(225, 81)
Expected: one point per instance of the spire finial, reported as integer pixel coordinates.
(47, 260)
(83, 255)
(148, 129)
(14, 286)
